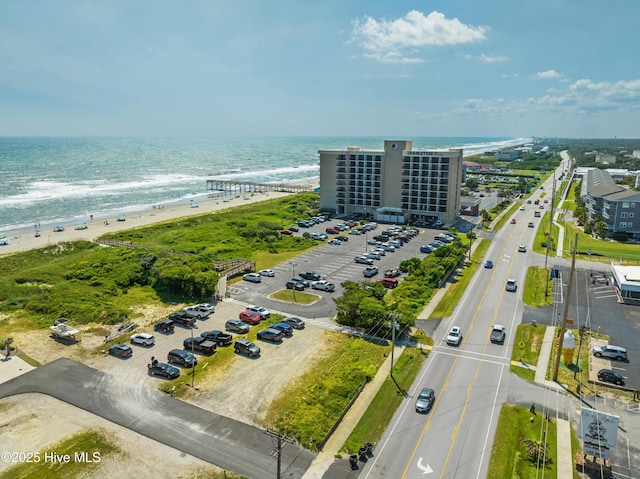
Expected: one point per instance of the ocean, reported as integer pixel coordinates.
(65, 179)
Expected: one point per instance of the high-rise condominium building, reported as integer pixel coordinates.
(396, 184)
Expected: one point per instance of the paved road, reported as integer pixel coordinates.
(227, 443)
(472, 381)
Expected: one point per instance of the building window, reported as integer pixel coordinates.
(632, 205)
(629, 224)
(625, 204)
(624, 215)
(623, 224)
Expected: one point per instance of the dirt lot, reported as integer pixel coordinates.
(242, 391)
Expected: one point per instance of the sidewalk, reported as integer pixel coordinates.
(564, 460)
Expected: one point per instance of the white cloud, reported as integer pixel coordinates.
(548, 75)
(399, 40)
(490, 59)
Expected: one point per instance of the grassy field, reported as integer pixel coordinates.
(94, 442)
(538, 287)
(455, 291)
(307, 408)
(604, 250)
(509, 456)
(291, 296)
(530, 338)
(384, 405)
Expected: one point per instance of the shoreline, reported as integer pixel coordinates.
(24, 239)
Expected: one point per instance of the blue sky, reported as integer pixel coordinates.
(555, 68)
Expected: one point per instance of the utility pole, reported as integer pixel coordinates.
(393, 325)
(278, 450)
(566, 310)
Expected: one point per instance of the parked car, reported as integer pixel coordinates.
(363, 260)
(611, 352)
(182, 358)
(334, 242)
(332, 231)
(250, 317)
(610, 376)
(388, 282)
(206, 307)
(370, 272)
(455, 336)
(164, 369)
(294, 322)
(165, 326)
(298, 279)
(373, 255)
(244, 346)
(425, 400)
(285, 329)
(427, 249)
(488, 264)
(318, 236)
(287, 232)
(270, 334)
(310, 275)
(267, 272)
(195, 312)
(298, 286)
(293, 229)
(121, 351)
(143, 339)
(264, 313)
(252, 277)
(323, 285)
(511, 285)
(236, 326)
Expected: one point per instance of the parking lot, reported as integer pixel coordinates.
(335, 263)
(593, 303)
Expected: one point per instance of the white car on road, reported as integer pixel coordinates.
(455, 336)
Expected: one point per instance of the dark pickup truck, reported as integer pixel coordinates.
(220, 338)
(164, 326)
(183, 319)
(201, 344)
(497, 334)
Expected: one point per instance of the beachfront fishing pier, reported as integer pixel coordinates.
(234, 187)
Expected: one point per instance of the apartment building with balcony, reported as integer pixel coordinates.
(618, 206)
(395, 183)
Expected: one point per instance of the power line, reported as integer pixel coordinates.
(278, 450)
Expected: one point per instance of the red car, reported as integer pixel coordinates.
(332, 231)
(286, 232)
(250, 317)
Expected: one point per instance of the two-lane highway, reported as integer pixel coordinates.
(471, 380)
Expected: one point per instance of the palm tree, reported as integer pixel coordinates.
(537, 450)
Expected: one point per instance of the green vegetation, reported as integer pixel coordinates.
(511, 456)
(94, 442)
(530, 338)
(307, 408)
(384, 405)
(367, 305)
(505, 217)
(455, 291)
(172, 262)
(604, 250)
(292, 296)
(538, 287)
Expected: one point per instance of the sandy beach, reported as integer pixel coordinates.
(25, 239)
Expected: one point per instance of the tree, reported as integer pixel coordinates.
(472, 183)
(485, 215)
(471, 236)
(537, 451)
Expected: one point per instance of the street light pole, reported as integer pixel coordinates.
(393, 324)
